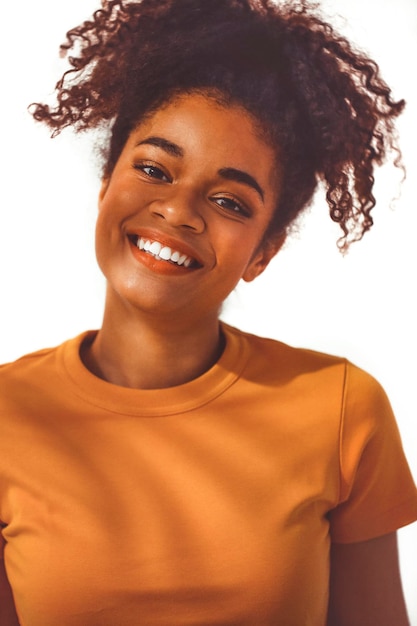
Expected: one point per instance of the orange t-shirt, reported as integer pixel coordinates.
(213, 502)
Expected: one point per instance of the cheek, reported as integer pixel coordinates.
(108, 235)
(123, 193)
(101, 247)
(114, 204)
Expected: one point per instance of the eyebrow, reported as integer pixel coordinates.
(164, 144)
(228, 173)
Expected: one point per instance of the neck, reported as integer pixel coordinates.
(145, 352)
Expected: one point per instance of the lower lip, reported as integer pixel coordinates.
(156, 265)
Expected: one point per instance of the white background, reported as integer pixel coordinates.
(362, 306)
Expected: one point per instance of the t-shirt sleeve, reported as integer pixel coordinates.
(377, 491)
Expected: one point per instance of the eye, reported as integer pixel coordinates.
(152, 171)
(233, 206)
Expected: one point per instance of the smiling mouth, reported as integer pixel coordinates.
(161, 252)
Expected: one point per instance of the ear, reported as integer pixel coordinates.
(263, 256)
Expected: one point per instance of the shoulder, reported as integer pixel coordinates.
(302, 359)
(273, 347)
(24, 360)
(278, 356)
(311, 374)
(24, 367)
(23, 381)
(35, 370)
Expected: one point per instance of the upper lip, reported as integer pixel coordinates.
(167, 240)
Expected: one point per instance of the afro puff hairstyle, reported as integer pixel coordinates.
(320, 103)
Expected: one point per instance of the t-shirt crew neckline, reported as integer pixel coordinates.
(153, 402)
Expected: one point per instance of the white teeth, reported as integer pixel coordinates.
(164, 253)
(155, 248)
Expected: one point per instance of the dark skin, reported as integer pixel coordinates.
(365, 584)
(192, 177)
(208, 194)
(8, 615)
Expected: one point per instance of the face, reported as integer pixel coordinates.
(184, 212)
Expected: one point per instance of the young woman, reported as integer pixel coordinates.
(170, 469)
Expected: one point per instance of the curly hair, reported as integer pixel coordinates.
(321, 103)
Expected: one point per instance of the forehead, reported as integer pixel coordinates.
(204, 127)
(205, 111)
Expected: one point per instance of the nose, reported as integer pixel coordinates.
(180, 211)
